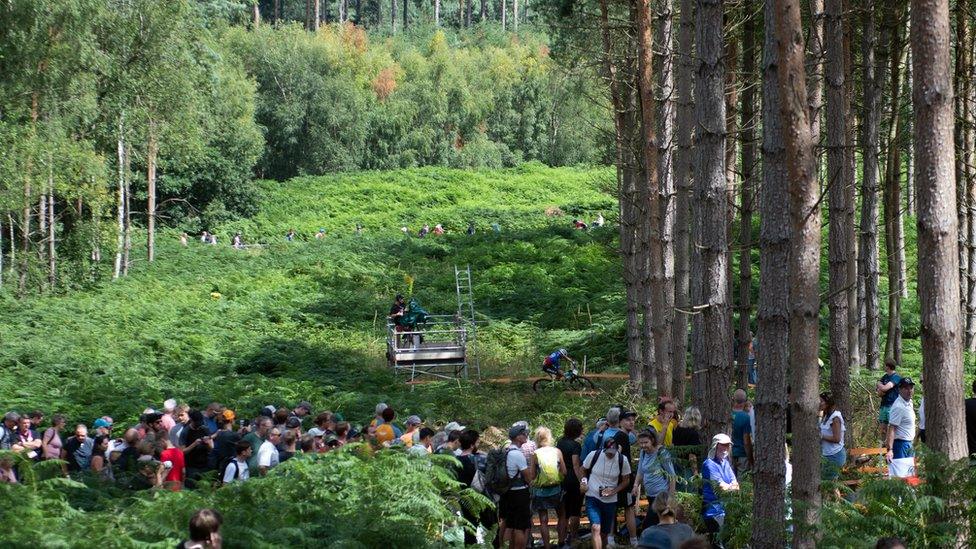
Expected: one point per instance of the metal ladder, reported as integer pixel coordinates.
(465, 300)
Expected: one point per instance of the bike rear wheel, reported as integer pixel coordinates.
(544, 384)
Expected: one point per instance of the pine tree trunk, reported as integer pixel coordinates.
(393, 15)
(749, 122)
(938, 286)
(257, 15)
(277, 11)
(504, 10)
(804, 264)
(850, 177)
(484, 10)
(962, 136)
(683, 159)
(120, 243)
(772, 314)
(13, 244)
(126, 262)
(839, 251)
(665, 105)
(52, 256)
(437, 14)
(714, 355)
(515, 15)
(317, 15)
(623, 128)
(868, 249)
(731, 148)
(815, 59)
(25, 235)
(152, 150)
(969, 184)
(892, 193)
(651, 217)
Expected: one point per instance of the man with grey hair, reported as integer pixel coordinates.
(8, 430)
(742, 458)
(268, 452)
(261, 425)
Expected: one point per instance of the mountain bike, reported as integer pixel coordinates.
(571, 379)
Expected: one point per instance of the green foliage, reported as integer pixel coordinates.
(337, 499)
(342, 100)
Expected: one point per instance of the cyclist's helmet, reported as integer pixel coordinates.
(563, 352)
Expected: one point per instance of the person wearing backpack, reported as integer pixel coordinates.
(550, 469)
(508, 476)
(471, 474)
(607, 473)
(236, 469)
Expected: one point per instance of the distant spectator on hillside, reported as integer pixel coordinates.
(424, 444)
(236, 468)
(887, 388)
(424, 231)
(413, 430)
(405, 230)
(580, 225)
(470, 231)
(212, 239)
(204, 530)
(496, 228)
(320, 235)
(268, 452)
(238, 241)
(184, 240)
(438, 230)
(8, 431)
(598, 222)
(51, 439)
(77, 450)
(205, 237)
(290, 235)
(359, 229)
(742, 458)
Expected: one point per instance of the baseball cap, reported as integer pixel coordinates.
(452, 426)
(610, 443)
(601, 422)
(101, 422)
(228, 415)
(268, 410)
(293, 422)
(624, 414)
(654, 539)
(517, 430)
(905, 382)
(414, 420)
(721, 438)
(316, 432)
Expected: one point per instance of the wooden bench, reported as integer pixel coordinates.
(852, 467)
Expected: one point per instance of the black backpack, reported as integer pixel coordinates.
(223, 469)
(620, 466)
(496, 478)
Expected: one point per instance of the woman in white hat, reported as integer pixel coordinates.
(718, 476)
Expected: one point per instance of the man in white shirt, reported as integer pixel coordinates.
(514, 507)
(237, 468)
(268, 452)
(608, 474)
(901, 423)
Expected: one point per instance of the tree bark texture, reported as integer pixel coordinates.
(683, 159)
(868, 270)
(747, 138)
(665, 117)
(626, 191)
(772, 314)
(713, 360)
(892, 193)
(25, 231)
(731, 149)
(804, 268)
(651, 207)
(854, 359)
(152, 151)
(938, 283)
(839, 249)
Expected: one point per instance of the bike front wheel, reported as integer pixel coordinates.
(581, 383)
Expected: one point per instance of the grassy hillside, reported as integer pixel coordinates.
(305, 319)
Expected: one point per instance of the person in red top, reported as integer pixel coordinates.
(173, 458)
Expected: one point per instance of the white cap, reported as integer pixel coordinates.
(721, 438)
(453, 426)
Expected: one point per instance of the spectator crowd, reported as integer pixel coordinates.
(625, 480)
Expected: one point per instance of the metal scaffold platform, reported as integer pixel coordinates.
(437, 346)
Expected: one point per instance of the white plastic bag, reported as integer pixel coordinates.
(901, 468)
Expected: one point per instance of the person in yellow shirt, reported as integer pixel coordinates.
(665, 417)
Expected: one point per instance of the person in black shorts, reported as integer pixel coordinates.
(569, 514)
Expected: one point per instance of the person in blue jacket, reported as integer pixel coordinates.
(717, 477)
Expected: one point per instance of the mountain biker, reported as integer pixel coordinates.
(550, 364)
